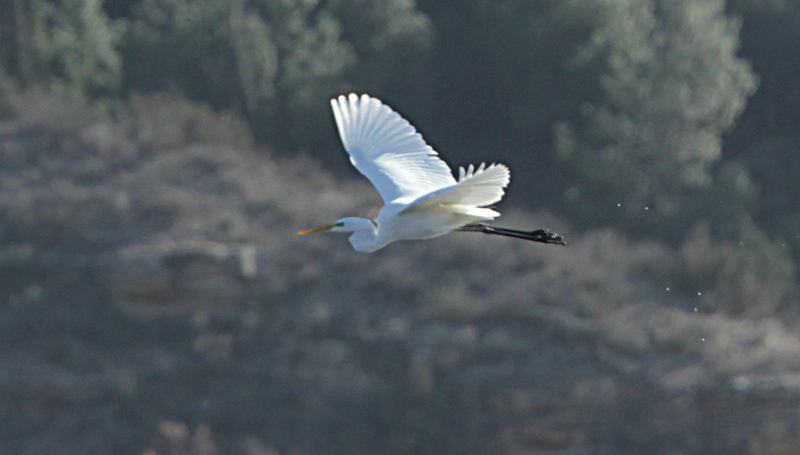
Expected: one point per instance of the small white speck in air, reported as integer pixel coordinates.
(647, 208)
(667, 289)
(702, 339)
(695, 310)
(620, 205)
(699, 293)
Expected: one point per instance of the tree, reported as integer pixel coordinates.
(277, 62)
(671, 85)
(210, 50)
(67, 46)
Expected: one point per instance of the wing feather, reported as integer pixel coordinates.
(388, 150)
(476, 187)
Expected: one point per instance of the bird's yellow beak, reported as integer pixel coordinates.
(317, 229)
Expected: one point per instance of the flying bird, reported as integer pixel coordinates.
(422, 197)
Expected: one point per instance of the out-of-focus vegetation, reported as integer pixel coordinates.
(612, 113)
(670, 84)
(158, 155)
(617, 113)
(154, 299)
(69, 47)
(603, 107)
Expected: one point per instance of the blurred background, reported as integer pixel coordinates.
(157, 158)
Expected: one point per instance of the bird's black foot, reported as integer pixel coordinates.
(539, 235)
(545, 236)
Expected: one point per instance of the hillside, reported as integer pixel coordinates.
(156, 299)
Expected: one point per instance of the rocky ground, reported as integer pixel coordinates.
(155, 299)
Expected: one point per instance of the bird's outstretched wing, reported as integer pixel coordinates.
(476, 187)
(388, 150)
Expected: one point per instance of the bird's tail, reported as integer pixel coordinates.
(482, 186)
(476, 188)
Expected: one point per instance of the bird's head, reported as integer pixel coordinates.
(365, 233)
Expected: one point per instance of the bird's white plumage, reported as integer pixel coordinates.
(422, 198)
(388, 150)
(477, 187)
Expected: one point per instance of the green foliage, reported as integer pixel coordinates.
(313, 58)
(68, 46)
(81, 50)
(277, 62)
(183, 47)
(391, 40)
(269, 60)
(671, 84)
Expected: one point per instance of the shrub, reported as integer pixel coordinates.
(752, 275)
(163, 120)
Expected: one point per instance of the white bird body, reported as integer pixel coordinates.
(422, 197)
(422, 218)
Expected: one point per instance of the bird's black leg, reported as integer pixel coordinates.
(539, 235)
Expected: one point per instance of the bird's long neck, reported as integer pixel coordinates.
(365, 237)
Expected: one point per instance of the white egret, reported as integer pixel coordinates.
(422, 198)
